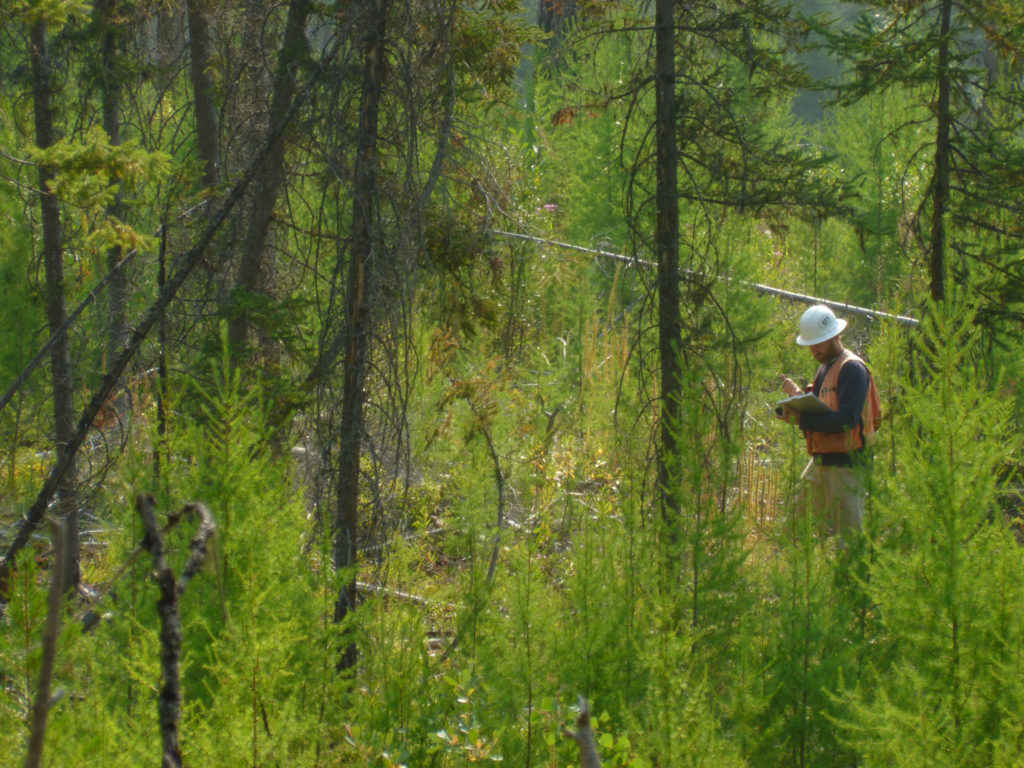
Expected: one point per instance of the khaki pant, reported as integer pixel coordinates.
(834, 498)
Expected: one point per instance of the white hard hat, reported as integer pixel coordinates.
(818, 324)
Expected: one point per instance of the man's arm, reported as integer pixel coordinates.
(853, 390)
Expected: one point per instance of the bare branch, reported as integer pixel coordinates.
(198, 546)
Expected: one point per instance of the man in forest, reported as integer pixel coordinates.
(833, 482)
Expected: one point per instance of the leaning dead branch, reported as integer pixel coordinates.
(171, 589)
(186, 264)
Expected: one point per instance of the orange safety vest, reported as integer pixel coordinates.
(871, 418)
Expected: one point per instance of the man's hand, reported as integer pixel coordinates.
(790, 387)
(788, 415)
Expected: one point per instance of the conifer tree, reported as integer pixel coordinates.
(941, 683)
(727, 62)
(960, 61)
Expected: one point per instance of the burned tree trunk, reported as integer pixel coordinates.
(51, 632)
(207, 142)
(171, 590)
(362, 270)
(270, 175)
(941, 186)
(56, 310)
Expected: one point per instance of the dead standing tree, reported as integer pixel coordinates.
(61, 372)
(667, 235)
(203, 91)
(362, 268)
(51, 633)
(406, 87)
(171, 590)
(584, 738)
(252, 277)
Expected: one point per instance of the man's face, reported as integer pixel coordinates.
(826, 350)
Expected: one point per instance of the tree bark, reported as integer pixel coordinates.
(667, 243)
(584, 738)
(117, 294)
(60, 354)
(940, 191)
(51, 633)
(270, 175)
(171, 590)
(361, 279)
(207, 137)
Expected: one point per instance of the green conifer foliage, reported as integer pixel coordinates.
(942, 673)
(20, 651)
(957, 66)
(257, 659)
(877, 141)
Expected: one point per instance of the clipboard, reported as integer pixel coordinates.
(804, 403)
